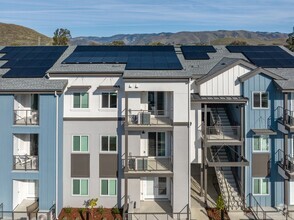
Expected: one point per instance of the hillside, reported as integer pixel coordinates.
(203, 37)
(15, 35)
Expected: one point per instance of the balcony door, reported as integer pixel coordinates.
(155, 188)
(156, 144)
(156, 103)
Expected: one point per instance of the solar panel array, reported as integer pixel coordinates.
(135, 57)
(30, 61)
(197, 52)
(265, 56)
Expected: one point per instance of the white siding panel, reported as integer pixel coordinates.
(225, 84)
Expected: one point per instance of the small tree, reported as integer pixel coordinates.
(238, 43)
(91, 203)
(61, 37)
(290, 41)
(220, 205)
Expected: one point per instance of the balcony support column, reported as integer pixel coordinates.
(285, 120)
(205, 154)
(126, 150)
(242, 152)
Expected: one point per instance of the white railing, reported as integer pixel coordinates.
(145, 163)
(26, 117)
(25, 162)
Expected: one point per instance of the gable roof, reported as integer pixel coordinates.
(223, 65)
(257, 71)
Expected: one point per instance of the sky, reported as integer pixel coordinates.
(110, 17)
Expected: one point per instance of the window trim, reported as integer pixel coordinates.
(108, 135)
(72, 144)
(73, 102)
(108, 187)
(261, 151)
(268, 186)
(108, 92)
(72, 184)
(260, 99)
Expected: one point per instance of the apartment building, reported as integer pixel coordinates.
(31, 137)
(140, 126)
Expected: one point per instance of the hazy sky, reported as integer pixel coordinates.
(109, 17)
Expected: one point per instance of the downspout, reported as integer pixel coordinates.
(189, 146)
(56, 156)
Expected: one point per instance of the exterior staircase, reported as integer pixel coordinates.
(226, 181)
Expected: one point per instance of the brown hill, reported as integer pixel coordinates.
(15, 35)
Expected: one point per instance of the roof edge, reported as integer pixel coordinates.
(257, 71)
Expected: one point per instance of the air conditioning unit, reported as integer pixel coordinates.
(42, 216)
(144, 118)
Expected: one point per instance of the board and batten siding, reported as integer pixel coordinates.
(263, 119)
(224, 84)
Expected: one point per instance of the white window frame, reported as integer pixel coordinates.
(108, 186)
(108, 151)
(73, 102)
(108, 92)
(72, 143)
(72, 180)
(260, 179)
(260, 99)
(261, 151)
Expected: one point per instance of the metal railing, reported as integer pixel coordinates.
(223, 132)
(285, 115)
(25, 162)
(184, 214)
(37, 215)
(255, 207)
(26, 117)
(145, 163)
(287, 162)
(149, 117)
(52, 212)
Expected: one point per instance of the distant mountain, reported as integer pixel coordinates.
(15, 35)
(202, 37)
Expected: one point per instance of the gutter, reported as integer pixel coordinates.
(56, 157)
(189, 146)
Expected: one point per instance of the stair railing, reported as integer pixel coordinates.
(255, 209)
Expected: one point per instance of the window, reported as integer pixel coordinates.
(260, 100)
(108, 144)
(81, 100)
(260, 186)
(80, 187)
(108, 187)
(156, 102)
(80, 144)
(261, 143)
(109, 100)
(156, 144)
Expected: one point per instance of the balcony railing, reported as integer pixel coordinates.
(25, 162)
(26, 117)
(256, 208)
(223, 132)
(151, 117)
(144, 163)
(286, 162)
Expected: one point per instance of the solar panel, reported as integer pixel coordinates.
(197, 52)
(196, 56)
(136, 57)
(30, 61)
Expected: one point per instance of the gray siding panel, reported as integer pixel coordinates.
(108, 166)
(80, 165)
(260, 165)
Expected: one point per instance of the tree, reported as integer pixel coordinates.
(290, 41)
(238, 43)
(61, 37)
(118, 43)
(220, 205)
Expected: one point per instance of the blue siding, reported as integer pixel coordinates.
(263, 118)
(46, 132)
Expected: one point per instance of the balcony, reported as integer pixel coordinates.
(26, 117)
(25, 162)
(223, 134)
(285, 165)
(149, 118)
(149, 166)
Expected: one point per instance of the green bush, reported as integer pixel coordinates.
(68, 210)
(115, 210)
(100, 210)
